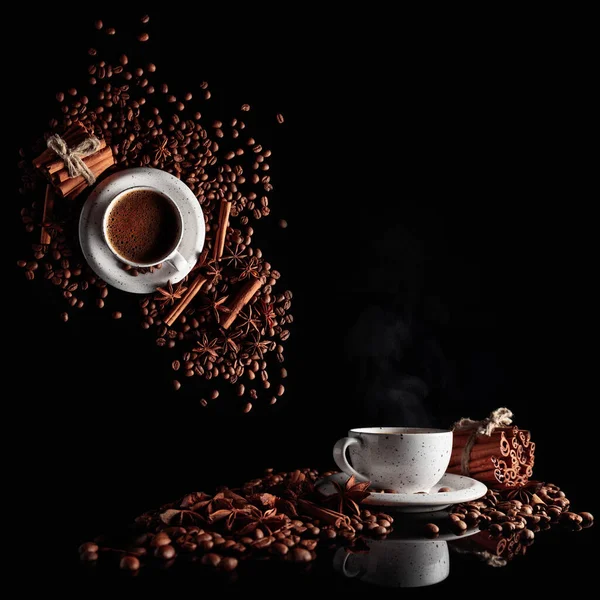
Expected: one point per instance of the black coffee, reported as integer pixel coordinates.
(142, 226)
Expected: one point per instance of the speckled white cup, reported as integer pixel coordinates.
(400, 459)
(397, 563)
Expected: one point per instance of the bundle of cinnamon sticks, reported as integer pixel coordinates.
(503, 459)
(53, 167)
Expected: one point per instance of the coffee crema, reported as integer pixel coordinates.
(142, 226)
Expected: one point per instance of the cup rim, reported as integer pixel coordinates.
(400, 431)
(176, 244)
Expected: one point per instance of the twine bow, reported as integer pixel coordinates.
(501, 417)
(72, 157)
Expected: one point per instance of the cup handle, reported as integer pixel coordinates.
(178, 262)
(357, 572)
(339, 455)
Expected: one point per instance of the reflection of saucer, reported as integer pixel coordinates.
(462, 489)
(103, 261)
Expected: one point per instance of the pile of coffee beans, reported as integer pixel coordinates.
(147, 123)
(511, 518)
(279, 516)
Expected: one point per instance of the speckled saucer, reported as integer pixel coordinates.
(462, 489)
(103, 261)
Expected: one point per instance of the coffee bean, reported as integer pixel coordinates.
(279, 548)
(89, 556)
(570, 517)
(160, 539)
(143, 37)
(245, 107)
(586, 517)
(458, 527)
(188, 547)
(98, 24)
(129, 563)
(165, 552)
(211, 559)
(228, 563)
(300, 555)
(88, 547)
(280, 118)
(145, 19)
(117, 315)
(262, 543)
(431, 530)
(111, 31)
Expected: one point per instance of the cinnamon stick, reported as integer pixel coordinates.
(240, 300)
(66, 187)
(176, 311)
(78, 190)
(45, 237)
(57, 167)
(223, 224)
(72, 136)
(325, 515)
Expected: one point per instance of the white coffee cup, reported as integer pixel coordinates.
(396, 459)
(396, 563)
(171, 256)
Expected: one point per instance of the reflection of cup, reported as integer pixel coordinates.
(143, 227)
(400, 459)
(396, 563)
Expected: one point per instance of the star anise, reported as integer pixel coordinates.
(161, 148)
(216, 306)
(167, 297)
(207, 349)
(269, 522)
(214, 272)
(267, 312)
(174, 516)
(247, 321)
(53, 228)
(230, 515)
(348, 496)
(524, 493)
(235, 256)
(251, 269)
(258, 346)
(228, 341)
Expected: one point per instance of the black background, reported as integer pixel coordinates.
(432, 180)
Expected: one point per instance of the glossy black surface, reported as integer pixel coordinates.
(434, 184)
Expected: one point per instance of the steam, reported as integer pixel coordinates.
(396, 358)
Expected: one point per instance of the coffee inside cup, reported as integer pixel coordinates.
(142, 226)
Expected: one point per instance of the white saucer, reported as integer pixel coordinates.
(462, 489)
(104, 263)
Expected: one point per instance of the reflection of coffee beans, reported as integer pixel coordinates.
(142, 226)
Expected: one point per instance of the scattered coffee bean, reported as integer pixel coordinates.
(88, 547)
(129, 563)
(117, 315)
(89, 556)
(143, 37)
